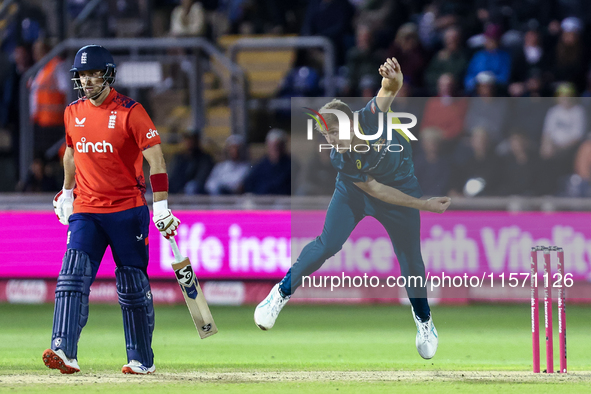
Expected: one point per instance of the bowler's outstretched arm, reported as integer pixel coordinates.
(394, 196)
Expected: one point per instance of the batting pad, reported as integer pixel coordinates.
(71, 301)
(135, 298)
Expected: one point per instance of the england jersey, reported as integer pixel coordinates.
(108, 141)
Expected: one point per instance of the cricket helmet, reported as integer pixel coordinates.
(93, 57)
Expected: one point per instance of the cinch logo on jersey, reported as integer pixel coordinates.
(345, 124)
(152, 133)
(87, 147)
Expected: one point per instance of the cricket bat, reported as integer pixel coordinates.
(192, 292)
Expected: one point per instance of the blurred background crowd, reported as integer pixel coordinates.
(501, 89)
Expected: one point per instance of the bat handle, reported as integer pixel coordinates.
(175, 250)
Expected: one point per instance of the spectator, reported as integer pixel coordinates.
(451, 59)
(187, 19)
(247, 17)
(127, 18)
(300, 82)
(490, 59)
(190, 168)
(446, 112)
(519, 168)
(570, 60)
(369, 86)
(303, 80)
(384, 17)
(564, 125)
(433, 170)
(331, 19)
(227, 176)
(319, 176)
(48, 98)
(97, 23)
(40, 177)
(22, 60)
(457, 13)
(362, 59)
(528, 109)
(534, 84)
(409, 52)
(586, 95)
(579, 184)
(427, 26)
(405, 102)
(22, 23)
(486, 110)
(6, 88)
(528, 57)
(587, 91)
(481, 166)
(272, 174)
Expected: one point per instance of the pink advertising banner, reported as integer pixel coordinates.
(220, 244)
(260, 244)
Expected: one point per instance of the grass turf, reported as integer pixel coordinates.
(305, 338)
(317, 387)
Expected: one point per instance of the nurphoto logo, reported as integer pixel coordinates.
(344, 128)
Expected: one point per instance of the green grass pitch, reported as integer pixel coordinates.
(312, 349)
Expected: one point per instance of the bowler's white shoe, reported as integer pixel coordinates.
(136, 368)
(427, 339)
(58, 360)
(267, 311)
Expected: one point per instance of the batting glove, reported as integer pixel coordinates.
(166, 223)
(63, 205)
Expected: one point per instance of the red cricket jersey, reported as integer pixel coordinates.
(108, 141)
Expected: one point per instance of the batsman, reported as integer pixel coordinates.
(102, 201)
(376, 181)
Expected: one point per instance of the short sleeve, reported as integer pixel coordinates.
(142, 128)
(69, 142)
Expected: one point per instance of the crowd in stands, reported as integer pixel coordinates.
(194, 172)
(505, 87)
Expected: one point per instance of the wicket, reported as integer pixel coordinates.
(548, 283)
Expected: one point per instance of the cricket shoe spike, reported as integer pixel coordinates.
(427, 339)
(136, 368)
(58, 360)
(267, 311)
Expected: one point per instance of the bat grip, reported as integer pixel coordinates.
(175, 250)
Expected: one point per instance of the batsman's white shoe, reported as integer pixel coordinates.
(267, 311)
(58, 360)
(136, 368)
(427, 339)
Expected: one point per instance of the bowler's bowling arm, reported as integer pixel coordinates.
(394, 196)
(391, 83)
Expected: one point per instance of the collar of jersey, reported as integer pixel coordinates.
(109, 98)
